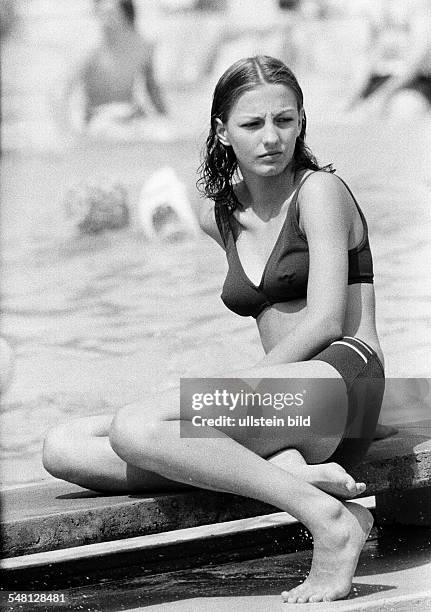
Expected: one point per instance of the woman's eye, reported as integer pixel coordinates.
(251, 124)
(284, 120)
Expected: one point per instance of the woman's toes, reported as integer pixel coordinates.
(292, 598)
(355, 488)
(360, 487)
(289, 596)
(285, 596)
(297, 595)
(315, 598)
(351, 486)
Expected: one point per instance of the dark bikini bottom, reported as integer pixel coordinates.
(363, 373)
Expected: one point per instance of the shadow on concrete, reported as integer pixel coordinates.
(83, 495)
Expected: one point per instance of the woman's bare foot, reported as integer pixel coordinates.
(331, 478)
(335, 556)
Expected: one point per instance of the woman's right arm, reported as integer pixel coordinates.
(207, 222)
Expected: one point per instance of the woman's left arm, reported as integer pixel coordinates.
(326, 218)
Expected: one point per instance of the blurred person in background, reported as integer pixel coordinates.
(396, 76)
(117, 78)
(253, 28)
(292, 18)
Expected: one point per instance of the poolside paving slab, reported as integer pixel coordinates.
(407, 590)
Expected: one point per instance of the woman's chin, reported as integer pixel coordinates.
(270, 170)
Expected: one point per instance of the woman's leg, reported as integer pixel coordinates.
(79, 451)
(151, 439)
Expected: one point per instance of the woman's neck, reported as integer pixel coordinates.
(266, 195)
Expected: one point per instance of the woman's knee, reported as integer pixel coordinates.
(58, 452)
(63, 444)
(135, 433)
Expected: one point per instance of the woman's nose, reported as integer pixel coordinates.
(270, 134)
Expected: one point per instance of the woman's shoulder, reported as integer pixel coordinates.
(320, 181)
(323, 186)
(324, 191)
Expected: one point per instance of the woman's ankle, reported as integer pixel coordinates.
(327, 513)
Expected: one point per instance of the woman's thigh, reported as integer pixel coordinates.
(79, 451)
(300, 405)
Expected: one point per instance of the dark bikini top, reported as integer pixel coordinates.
(285, 274)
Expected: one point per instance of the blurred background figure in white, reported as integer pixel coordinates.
(116, 79)
(249, 28)
(395, 79)
(164, 208)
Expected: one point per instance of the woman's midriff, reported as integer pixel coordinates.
(279, 320)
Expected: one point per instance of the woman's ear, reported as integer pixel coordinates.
(222, 133)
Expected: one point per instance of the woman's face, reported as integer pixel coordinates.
(262, 129)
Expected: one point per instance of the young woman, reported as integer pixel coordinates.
(300, 264)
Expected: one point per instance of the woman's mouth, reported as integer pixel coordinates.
(270, 156)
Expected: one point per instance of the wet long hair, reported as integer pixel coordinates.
(219, 169)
